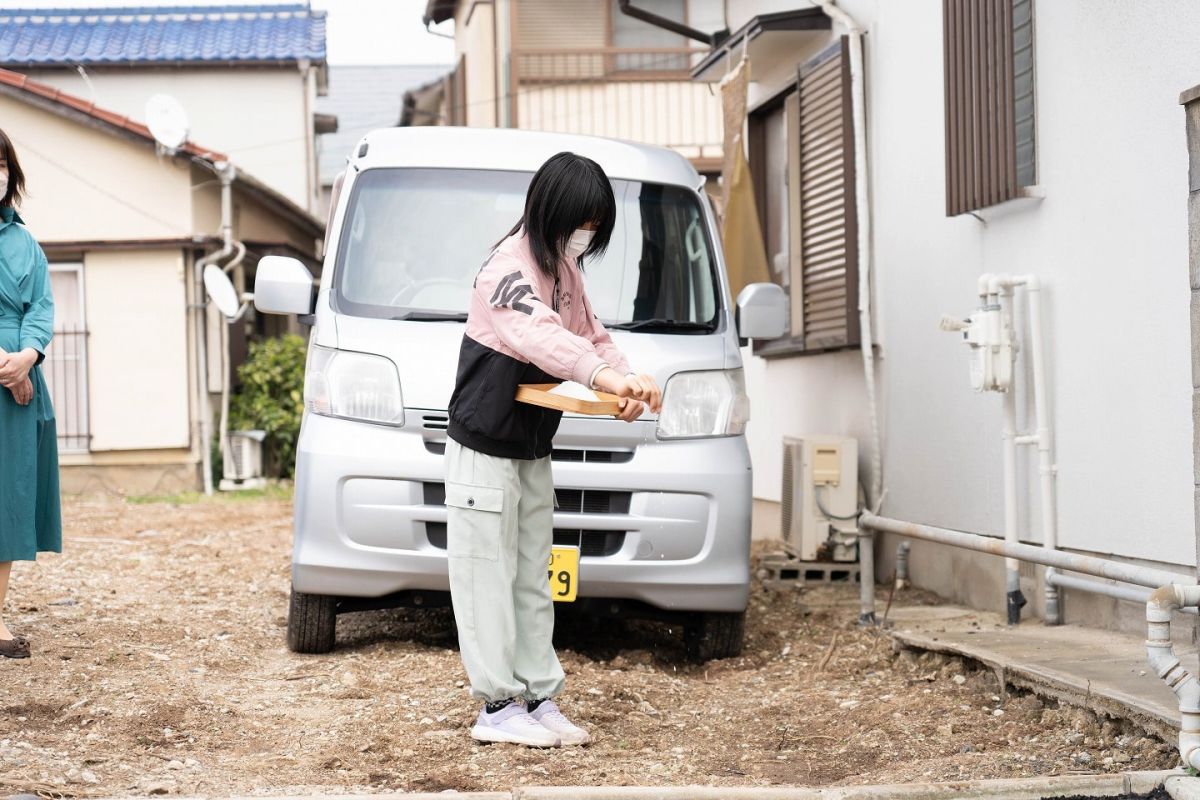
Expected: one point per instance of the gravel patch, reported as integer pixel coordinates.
(160, 668)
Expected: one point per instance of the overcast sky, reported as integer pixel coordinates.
(360, 31)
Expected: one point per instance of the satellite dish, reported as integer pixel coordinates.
(221, 290)
(167, 121)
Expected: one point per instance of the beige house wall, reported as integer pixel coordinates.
(137, 349)
(260, 117)
(127, 193)
(476, 26)
(556, 24)
(682, 115)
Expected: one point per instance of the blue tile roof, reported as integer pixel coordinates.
(161, 34)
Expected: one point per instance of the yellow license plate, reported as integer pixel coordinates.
(564, 574)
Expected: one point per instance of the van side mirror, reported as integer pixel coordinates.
(283, 285)
(762, 311)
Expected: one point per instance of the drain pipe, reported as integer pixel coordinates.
(862, 197)
(226, 173)
(902, 551)
(862, 209)
(1044, 440)
(1166, 666)
(996, 301)
(226, 366)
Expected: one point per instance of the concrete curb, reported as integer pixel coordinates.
(1182, 787)
(1006, 789)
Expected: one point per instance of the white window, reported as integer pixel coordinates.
(65, 368)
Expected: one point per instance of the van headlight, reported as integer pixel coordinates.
(349, 385)
(697, 404)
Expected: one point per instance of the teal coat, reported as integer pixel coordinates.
(30, 519)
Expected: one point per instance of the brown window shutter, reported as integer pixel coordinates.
(988, 73)
(828, 249)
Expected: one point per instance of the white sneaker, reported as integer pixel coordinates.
(548, 715)
(513, 724)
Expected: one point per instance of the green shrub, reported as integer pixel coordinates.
(271, 399)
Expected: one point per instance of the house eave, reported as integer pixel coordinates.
(795, 23)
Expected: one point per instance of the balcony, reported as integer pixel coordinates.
(644, 95)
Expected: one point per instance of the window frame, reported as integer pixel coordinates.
(83, 415)
(979, 59)
(795, 343)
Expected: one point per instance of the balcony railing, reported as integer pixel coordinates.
(643, 94)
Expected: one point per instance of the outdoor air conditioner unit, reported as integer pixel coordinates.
(242, 467)
(820, 497)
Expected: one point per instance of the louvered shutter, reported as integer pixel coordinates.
(989, 86)
(827, 251)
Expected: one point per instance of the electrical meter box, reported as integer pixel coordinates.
(820, 497)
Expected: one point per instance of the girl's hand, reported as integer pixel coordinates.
(645, 388)
(639, 387)
(23, 393)
(630, 409)
(15, 368)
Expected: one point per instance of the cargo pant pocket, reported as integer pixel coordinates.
(475, 518)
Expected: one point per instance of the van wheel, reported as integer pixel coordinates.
(312, 622)
(714, 634)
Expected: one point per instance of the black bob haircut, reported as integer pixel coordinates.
(16, 176)
(566, 193)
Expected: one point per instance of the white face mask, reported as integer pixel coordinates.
(580, 240)
(3, 184)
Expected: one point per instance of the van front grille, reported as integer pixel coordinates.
(570, 501)
(589, 542)
(557, 454)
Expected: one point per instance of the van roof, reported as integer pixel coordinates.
(519, 151)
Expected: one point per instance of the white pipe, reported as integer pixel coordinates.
(226, 173)
(1117, 591)
(866, 577)
(858, 102)
(1047, 469)
(1166, 666)
(1012, 570)
(226, 366)
(902, 551)
(1035, 554)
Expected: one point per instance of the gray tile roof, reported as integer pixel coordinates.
(150, 34)
(364, 98)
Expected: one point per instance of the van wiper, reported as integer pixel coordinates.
(433, 316)
(663, 325)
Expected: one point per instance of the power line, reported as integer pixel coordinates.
(96, 187)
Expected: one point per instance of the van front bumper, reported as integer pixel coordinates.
(368, 515)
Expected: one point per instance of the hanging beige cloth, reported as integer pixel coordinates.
(745, 253)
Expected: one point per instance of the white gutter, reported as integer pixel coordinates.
(1165, 664)
(858, 101)
(226, 172)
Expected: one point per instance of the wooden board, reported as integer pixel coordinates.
(538, 394)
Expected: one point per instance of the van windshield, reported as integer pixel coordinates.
(414, 240)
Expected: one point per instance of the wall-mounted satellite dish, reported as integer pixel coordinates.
(221, 290)
(167, 121)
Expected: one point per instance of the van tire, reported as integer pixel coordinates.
(312, 623)
(714, 634)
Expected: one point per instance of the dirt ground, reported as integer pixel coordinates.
(160, 667)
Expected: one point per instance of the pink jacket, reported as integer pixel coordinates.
(518, 311)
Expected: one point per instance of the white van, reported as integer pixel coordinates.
(659, 509)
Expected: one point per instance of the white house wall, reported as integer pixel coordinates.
(137, 349)
(67, 159)
(1109, 239)
(258, 117)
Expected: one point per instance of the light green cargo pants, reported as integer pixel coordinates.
(500, 531)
